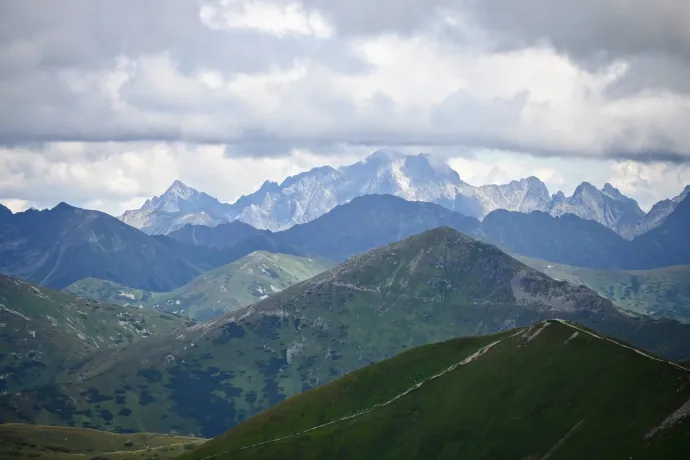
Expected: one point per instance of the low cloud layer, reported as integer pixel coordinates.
(262, 79)
(114, 177)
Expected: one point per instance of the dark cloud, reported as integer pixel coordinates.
(587, 28)
(658, 73)
(86, 35)
(652, 35)
(59, 73)
(367, 17)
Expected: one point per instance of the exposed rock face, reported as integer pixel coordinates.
(302, 198)
(178, 206)
(659, 212)
(607, 206)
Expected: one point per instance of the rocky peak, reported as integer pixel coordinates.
(174, 197)
(586, 188)
(558, 196)
(63, 207)
(607, 206)
(181, 190)
(5, 213)
(683, 195)
(385, 156)
(524, 195)
(177, 206)
(612, 192)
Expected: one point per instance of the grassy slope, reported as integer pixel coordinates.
(18, 441)
(428, 288)
(228, 288)
(43, 331)
(241, 283)
(551, 392)
(108, 291)
(661, 292)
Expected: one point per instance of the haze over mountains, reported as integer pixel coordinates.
(306, 196)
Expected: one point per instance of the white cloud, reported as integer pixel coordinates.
(649, 182)
(148, 98)
(15, 205)
(127, 174)
(278, 18)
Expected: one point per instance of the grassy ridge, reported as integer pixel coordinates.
(109, 291)
(19, 441)
(44, 331)
(550, 392)
(224, 289)
(233, 286)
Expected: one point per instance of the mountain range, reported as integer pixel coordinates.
(302, 198)
(64, 245)
(374, 220)
(429, 287)
(60, 246)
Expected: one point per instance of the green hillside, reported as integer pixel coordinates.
(430, 287)
(44, 331)
(661, 292)
(109, 291)
(18, 441)
(552, 391)
(243, 282)
(225, 289)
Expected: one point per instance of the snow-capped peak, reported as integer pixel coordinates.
(385, 155)
(175, 197)
(177, 206)
(607, 206)
(310, 194)
(180, 190)
(524, 195)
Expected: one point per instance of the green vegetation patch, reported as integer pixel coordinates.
(18, 441)
(550, 391)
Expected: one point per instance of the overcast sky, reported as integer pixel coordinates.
(104, 103)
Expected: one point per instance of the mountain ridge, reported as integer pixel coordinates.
(507, 395)
(45, 331)
(310, 194)
(57, 247)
